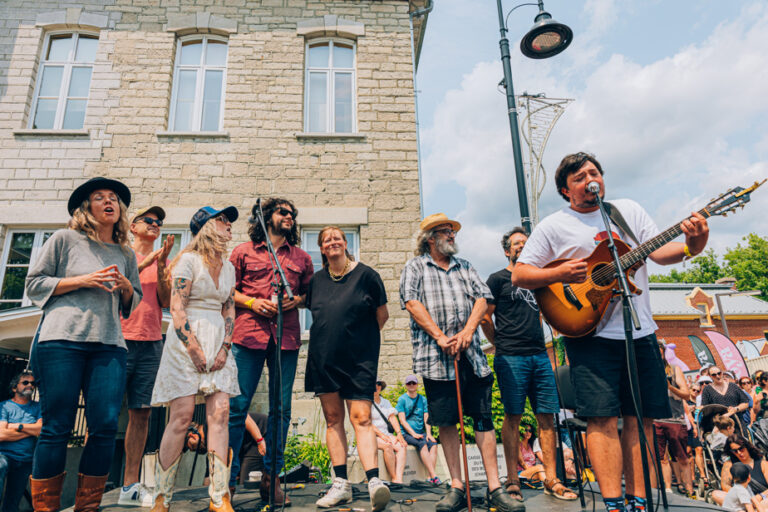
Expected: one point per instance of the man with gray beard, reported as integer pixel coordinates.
(447, 300)
(20, 424)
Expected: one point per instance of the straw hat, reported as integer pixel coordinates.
(436, 219)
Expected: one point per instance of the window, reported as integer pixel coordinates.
(330, 87)
(63, 81)
(309, 244)
(180, 240)
(21, 248)
(198, 84)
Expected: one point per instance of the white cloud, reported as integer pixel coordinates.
(670, 134)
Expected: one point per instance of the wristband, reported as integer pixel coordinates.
(687, 251)
(250, 301)
(227, 346)
(259, 440)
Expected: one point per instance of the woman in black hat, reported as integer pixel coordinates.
(85, 278)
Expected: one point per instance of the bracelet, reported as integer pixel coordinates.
(250, 301)
(259, 440)
(687, 251)
(227, 346)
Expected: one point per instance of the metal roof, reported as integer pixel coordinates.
(669, 299)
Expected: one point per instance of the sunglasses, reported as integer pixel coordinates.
(715, 374)
(411, 383)
(745, 382)
(28, 383)
(738, 449)
(224, 219)
(285, 212)
(446, 231)
(151, 221)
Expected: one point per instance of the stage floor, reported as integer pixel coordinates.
(247, 500)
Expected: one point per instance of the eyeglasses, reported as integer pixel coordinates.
(738, 449)
(151, 221)
(715, 374)
(745, 382)
(224, 219)
(695, 390)
(28, 383)
(446, 231)
(285, 212)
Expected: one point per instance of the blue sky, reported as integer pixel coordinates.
(672, 98)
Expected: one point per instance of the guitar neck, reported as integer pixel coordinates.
(643, 250)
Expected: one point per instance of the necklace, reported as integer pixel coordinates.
(337, 277)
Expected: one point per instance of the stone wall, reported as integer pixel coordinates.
(259, 152)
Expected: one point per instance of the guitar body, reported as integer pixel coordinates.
(575, 309)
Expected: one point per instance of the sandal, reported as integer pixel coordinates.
(513, 489)
(556, 488)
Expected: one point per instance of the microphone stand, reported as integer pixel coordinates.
(630, 320)
(280, 286)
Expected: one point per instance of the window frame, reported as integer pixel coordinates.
(197, 107)
(330, 71)
(66, 78)
(37, 244)
(186, 237)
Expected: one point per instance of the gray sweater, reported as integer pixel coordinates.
(85, 314)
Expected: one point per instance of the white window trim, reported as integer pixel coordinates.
(36, 245)
(330, 118)
(313, 231)
(197, 108)
(65, 78)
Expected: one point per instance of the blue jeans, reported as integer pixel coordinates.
(531, 376)
(62, 369)
(250, 363)
(14, 475)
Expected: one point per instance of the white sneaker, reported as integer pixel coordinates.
(135, 495)
(379, 494)
(340, 492)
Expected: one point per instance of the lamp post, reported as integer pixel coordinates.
(546, 39)
(720, 311)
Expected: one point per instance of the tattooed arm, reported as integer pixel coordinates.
(228, 312)
(179, 301)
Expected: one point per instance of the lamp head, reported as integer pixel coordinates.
(546, 38)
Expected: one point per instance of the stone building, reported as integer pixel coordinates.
(196, 102)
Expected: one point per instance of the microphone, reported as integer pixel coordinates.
(593, 187)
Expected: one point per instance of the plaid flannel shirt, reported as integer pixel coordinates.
(449, 296)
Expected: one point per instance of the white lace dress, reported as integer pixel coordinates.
(177, 376)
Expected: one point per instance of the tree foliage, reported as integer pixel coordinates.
(747, 263)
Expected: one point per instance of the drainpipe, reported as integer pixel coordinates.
(415, 14)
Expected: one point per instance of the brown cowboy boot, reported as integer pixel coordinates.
(90, 489)
(46, 493)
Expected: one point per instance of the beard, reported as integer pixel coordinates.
(445, 248)
(27, 393)
(277, 228)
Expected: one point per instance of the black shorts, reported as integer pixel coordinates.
(693, 441)
(476, 399)
(600, 379)
(141, 366)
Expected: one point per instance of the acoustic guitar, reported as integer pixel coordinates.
(575, 309)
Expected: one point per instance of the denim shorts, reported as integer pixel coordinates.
(141, 366)
(527, 376)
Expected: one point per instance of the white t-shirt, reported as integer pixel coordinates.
(737, 497)
(570, 234)
(387, 409)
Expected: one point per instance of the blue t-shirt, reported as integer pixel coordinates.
(23, 449)
(419, 406)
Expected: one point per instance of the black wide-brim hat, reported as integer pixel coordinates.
(82, 192)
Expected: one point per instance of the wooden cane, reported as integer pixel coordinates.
(463, 439)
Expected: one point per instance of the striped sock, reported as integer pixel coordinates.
(614, 504)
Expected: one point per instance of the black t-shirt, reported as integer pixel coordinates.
(344, 337)
(516, 318)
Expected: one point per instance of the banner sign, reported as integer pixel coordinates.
(732, 358)
(701, 351)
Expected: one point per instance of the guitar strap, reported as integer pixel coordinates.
(618, 219)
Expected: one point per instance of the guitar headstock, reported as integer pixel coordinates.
(728, 202)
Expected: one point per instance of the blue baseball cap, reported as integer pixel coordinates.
(207, 213)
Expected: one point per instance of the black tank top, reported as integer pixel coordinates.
(757, 482)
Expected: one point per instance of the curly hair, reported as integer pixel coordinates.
(505, 239)
(422, 242)
(269, 207)
(83, 220)
(16, 379)
(569, 165)
(208, 243)
(322, 234)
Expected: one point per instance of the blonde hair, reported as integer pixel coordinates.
(208, 243)
(83, 220)
(322, 234)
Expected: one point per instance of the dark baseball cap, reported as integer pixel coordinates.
(207, 213)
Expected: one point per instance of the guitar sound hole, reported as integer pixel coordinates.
(602, 274)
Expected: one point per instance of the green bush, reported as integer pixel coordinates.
(308, 447)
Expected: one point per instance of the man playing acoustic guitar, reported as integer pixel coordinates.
(598, 363)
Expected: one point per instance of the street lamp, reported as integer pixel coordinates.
(720, 305)
(545, 39)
